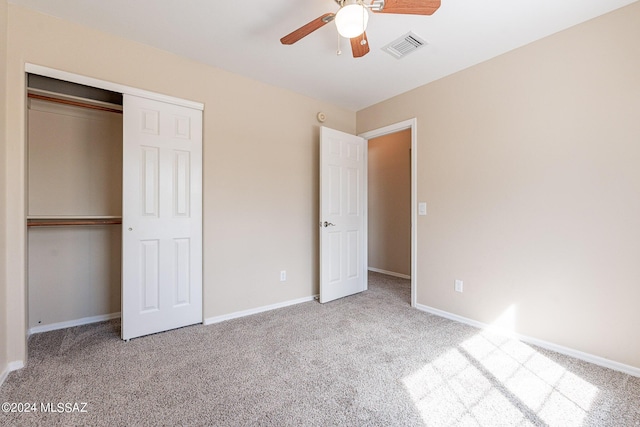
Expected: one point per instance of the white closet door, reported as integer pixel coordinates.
(162, 217)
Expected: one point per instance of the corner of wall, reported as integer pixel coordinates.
(3, 111)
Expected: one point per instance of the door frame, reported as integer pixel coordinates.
(386, 130)
(113, 87)
(87, 81)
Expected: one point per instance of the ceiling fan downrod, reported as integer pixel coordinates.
(376, 5)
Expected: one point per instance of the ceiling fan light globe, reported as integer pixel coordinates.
(351, 20)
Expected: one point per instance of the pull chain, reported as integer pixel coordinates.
(363, 41)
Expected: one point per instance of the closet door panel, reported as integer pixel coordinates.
(150, 170)
(150, 275)
(182, 183)
(162, 202)
(182, 248)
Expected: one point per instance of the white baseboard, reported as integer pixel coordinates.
(11, 366)
(14, 366)
(389, 273)
(72, 323)
(591, 358)
(3, 375)
(243, 313)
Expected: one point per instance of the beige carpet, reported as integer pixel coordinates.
(366, 360)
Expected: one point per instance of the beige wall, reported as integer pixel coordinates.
(260, 163)
(3, 240)
(529, 164)
(389, 202)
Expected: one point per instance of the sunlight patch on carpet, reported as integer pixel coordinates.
(493, 380)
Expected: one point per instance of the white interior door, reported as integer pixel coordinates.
(342, 215)
(162, 217)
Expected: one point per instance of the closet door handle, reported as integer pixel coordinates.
(130, 229)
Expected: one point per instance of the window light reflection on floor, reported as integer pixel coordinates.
(491, 380)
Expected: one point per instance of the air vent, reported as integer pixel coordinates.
(404, 45)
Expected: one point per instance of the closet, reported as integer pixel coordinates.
(74, 185)
(114, 215)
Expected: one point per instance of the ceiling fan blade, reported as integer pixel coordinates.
(307, 29)
(411, 7)
(359, 50)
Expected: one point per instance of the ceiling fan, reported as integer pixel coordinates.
(352, 18)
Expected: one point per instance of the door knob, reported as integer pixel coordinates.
(328, 224)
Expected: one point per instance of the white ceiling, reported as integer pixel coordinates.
(243, 37)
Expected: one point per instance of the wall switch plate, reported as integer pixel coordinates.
(422, 208)
(458, 286)
(283, 276)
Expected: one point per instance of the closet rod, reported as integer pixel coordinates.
(74, 103)
(59, 223)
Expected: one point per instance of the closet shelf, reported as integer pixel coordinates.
(74, 217)
(44, 95)
(60, 221)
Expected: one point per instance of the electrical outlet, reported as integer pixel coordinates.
(283, 276)
(458, 286)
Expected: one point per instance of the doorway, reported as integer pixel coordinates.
(389, 204)
(74, 193)
(400, 133)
